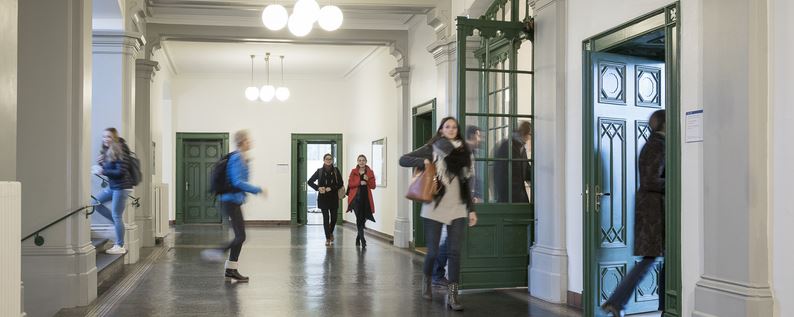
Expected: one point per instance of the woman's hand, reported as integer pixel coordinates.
(363, 182)
(472, 219)
(427, 162)
(328, 189)
(322, 190)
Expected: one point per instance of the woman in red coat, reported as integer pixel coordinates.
(359, 199)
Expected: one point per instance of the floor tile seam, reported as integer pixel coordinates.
(104, 304)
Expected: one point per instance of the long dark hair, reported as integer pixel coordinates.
(439, 135)
(657, 121)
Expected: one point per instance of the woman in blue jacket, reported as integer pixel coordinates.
(237, 171)
(113, 164)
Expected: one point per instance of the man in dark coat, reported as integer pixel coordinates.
(521, 168)
(648, 217)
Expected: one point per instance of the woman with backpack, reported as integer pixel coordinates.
(328, 180)
(113, 163)
(360, 184)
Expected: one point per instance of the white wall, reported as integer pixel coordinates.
(375, 102)
(215, 103)
(781, 116)
(423, 66)
(8, 90)
(163, 126)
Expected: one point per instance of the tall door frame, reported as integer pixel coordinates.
(416, 225)
(181, 137)
(668, 19)
(316, 137)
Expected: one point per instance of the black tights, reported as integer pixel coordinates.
(238, 225)
(329, 225)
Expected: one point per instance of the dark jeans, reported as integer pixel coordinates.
(329, 225)
(235, 215)
(454, 243)
(441, 260)
(626, 287)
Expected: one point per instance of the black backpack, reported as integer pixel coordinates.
(219, 179)
(134, 168)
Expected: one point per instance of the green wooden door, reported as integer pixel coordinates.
(300, 181)
(495, 97)
(627, 91)
(199, 156)
(423, 129)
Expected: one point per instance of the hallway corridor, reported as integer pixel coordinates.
(293, 274)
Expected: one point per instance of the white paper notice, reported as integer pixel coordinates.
(694, 126)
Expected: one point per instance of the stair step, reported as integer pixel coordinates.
(100, 244)
(109, 268)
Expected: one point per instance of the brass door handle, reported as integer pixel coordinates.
(598, 195)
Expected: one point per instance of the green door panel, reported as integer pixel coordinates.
(423, 130)
(199, 157)
(627, 90)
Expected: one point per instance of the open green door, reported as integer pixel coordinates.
(495, 98)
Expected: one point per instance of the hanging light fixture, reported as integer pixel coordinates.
(304, 14)
(275, 17)
(330, 18)
(267, 92)
(251, 93)
(282, 93)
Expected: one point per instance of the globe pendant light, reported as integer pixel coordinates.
(330, 18)
(300, 24)
(275, 17)
(308, 8)
(282, 93)
(267, 92)
(251, 93)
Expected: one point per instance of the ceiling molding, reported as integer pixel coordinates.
(361, 62)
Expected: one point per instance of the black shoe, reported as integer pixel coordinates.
(358, 241)
(232, 274)
(616, 312)
(363, 243)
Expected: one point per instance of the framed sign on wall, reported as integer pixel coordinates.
(379, 161)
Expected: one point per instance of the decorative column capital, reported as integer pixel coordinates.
(117, 42)
(146, 69)
(401, 76)
(444, 49)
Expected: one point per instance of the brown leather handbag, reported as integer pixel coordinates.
(423, 185)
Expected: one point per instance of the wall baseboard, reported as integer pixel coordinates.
(267, 223)
(374, 233)
(575, 300)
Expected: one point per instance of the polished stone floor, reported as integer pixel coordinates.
(294, 274)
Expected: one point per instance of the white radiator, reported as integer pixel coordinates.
(161, 225)
(10, 248)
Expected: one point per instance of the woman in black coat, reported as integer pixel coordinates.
(648, 217)
(328, 180)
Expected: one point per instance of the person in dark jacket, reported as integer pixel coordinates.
(231, 206)
(113, 164)
(328, 180)
(648, 217)
(452, 204)
(521, 169)
(361, 183)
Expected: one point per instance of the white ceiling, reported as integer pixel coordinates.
(300, 60)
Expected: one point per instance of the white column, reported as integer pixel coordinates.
(8, 90)
(548, 269)
(735, 279)
(11, 274)
(113, 99)
(54, 152)
(144, 76)
(402, 227)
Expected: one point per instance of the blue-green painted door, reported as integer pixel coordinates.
(199, 157)
(627, 90)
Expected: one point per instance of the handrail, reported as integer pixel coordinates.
(136, 201)
(40, 240)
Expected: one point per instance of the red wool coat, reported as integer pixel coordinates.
(353, 183)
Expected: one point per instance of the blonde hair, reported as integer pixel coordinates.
(114, 151)
(240, 137)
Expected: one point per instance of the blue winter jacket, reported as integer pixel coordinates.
(237, 171)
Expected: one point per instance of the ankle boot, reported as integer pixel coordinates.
(452, 297)
(358, 241)
(427, 289)
(233, 274)
(363, 242)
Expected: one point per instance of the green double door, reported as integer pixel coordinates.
(626, 91)
(198, 157)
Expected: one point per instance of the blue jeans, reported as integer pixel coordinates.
(439, 271)
(454, 243)
(119, 201)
